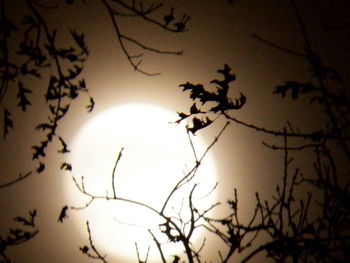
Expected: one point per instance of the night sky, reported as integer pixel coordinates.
(217, 33)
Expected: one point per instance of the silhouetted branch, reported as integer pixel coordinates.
(283, 49)
(135, 61)
(291, 148)
(40, 54)
(138, 254)
(159, 246)
(174, 227)
(113, 173)
(315, 136)
(19, 235)
(178, 53)
(319, 71)
(140, 11)
(290, 229)
(20, 178)
(192, 172)
(293, 233)
(305, 219)
(86, 250)
(81, 188)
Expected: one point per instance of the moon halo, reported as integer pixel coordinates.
(156, 155)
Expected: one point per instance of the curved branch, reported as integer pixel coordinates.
(143, 14)
(193, 171)
(121, 37)
(98, 255)
(20, 178)
(283, 49)
(177, 53)
(282, 133)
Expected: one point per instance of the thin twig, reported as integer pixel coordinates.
(166, 52)
(274, 45)
(99, 256)
(114, 168)
(291, 148)
(20, 178)
(159, 246)
(281, 133)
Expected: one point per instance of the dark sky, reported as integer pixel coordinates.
(218, 33)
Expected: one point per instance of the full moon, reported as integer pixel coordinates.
(156, 154)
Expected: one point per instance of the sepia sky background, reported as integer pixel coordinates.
(218, 34)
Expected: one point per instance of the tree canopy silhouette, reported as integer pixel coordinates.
(305, 219)
(35, 63)
(40, 54)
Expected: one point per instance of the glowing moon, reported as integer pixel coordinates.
(156, 155)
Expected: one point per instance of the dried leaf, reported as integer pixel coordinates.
(8, 123)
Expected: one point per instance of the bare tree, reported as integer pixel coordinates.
(32, 51)
(289, 226)
(39, 54)
(293, 232)
(24, 231)
(290, 230)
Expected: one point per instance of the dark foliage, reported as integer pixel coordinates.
(32, 52)
(220, 98)
(290, 232)
(8, 123)
(40, 55)
(25, 231)
(63, 214)
(291, 228)
(295, 88)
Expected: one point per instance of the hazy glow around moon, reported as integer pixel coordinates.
(156, 155)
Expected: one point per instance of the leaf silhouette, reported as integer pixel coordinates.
(73, 73)
(26, 221)
(194, 109)
(79, 39)
(8, 123)
(295, 88)
(84, 249)
(24, 70)
(23, 100)
(45, 126)
(223, 85)
(82, 84)
(66, 166)
(317, 136)
(91, 105)
(170, 17)
(32, 213)
(65, 52)
(39, 151)
(64, 146)
(41, 167)
(63, 214)
(199, 124)
(52, 92)
(181, 25)
(182, 116)
(198, 92)
(62, 111)
(73, 91)
(22, 220)
(195, 90)
(176, 259)
(228, 104)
